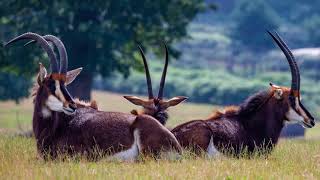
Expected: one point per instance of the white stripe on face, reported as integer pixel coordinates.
(297, 114)
(300, 110)
(293, 116)
(58, 91)
(54, 104)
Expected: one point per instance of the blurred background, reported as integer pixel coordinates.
(219, 50)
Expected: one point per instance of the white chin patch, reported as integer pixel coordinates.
(45, 112)
(293, 116)
(54, 104)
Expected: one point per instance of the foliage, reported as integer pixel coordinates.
(13, 83)
(252, 19)
(100, 35)
(312, 25)
(207, 86)
(12, 87)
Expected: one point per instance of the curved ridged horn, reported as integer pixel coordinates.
(63, 56)
(148, 78)
(43, 43)
(291, 61)
(164, 73)
(294, 61)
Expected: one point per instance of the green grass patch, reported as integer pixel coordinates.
(291, 159)
(19, 160)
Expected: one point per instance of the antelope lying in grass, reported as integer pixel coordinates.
(155, 107)
(61, 127)
(254, 125)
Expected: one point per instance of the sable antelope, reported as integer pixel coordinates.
(155, 107)
(70, 74)
(73, 73)
(254, 125)
(61, 127)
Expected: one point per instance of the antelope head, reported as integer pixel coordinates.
(155, 106)
(291, 97)
(52, 93)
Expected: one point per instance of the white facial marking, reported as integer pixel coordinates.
(293, 116)
(54, 104)
(301, 111)
(58, 91)
(45, 112)
(132, 153)
(212, 152)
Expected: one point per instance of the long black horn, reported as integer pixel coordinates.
(149, 84)
(291, 61)
(43, 43)
(164, 73)
(63, 56)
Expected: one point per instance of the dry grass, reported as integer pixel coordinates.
(292, 159)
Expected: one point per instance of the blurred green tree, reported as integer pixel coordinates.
(251, 20)
(99, 35)
(312, 25)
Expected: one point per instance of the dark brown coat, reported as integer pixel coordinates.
(254, 125)
(89, 130)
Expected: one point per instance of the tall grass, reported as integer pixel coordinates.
(298, 159)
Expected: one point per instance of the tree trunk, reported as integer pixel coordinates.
(81, 86)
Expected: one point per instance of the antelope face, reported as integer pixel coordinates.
(295, 111)
(298, 113)
(155, 107)
(57, 96)
(52, 92)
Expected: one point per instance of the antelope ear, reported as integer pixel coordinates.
(42, 73)
(71, 75)
(173, 101)
(137, 101)
(273, 85)
(278, 94)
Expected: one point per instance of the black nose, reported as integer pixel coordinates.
(312, 123)
(73, 106)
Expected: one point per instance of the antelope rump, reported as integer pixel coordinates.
(255, 124)
(63, 125)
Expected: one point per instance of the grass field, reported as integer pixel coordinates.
(12, 114)
(298, 159)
